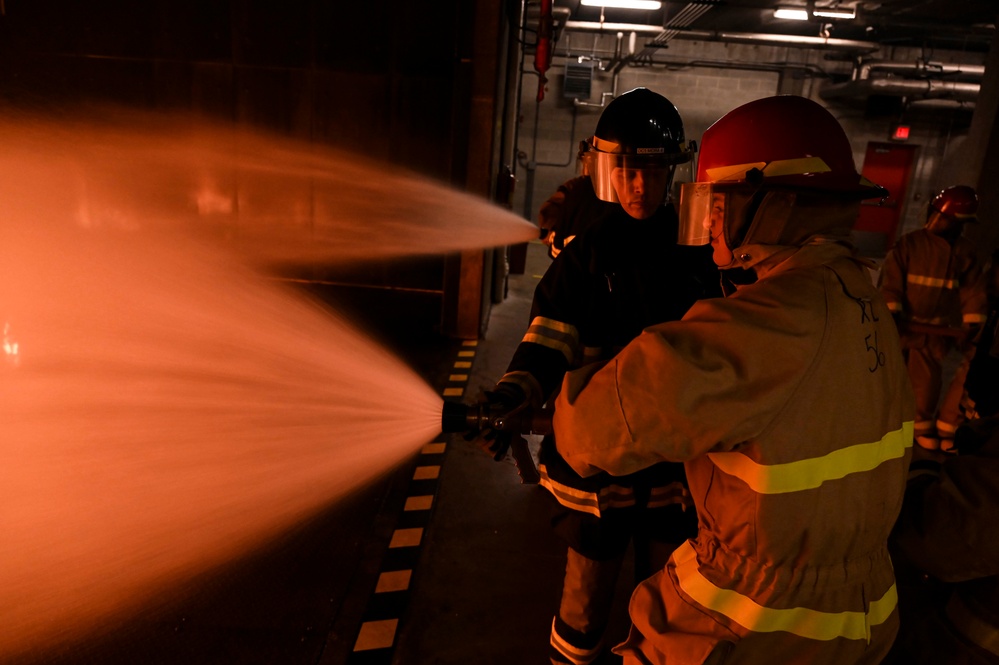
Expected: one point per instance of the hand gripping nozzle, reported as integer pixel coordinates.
(458, 417)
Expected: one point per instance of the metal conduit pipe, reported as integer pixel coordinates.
(918, 68)
(730, 37)
(941, 104)
(923, 89)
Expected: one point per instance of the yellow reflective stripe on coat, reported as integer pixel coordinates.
(811, 473)
(935, 282)
(801, 621)
(562, 337)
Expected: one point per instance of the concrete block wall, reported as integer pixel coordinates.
(707, 79)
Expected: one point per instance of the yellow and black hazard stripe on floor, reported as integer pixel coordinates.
(380, 623)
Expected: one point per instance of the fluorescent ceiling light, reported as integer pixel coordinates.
(793, 13)
(835, 13)
(623, 4)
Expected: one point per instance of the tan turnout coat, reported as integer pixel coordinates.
(790, 404)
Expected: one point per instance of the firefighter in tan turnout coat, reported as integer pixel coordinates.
(932, 283)
(788, 401)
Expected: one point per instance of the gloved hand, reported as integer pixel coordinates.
(506, 398)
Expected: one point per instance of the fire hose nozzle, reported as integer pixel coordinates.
(459, 417)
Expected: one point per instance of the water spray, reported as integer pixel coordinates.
(166, 404)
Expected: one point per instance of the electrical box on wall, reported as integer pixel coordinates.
(578, 81)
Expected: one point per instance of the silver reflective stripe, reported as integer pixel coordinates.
(561, 337)
(574, 655)
(811, 473)
(594, 503)
(800, 621)
(585, 502)
(668, 495)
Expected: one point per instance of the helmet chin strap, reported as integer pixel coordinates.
(732, 277)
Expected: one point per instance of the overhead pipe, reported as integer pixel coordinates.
(918, 68)
(957, 91)
(918, 82)
(759, 38)
(940, 104)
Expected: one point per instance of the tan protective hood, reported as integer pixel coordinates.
(786, 219)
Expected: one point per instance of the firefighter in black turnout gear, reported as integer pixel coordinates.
(621, 275)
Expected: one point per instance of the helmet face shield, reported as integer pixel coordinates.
(611, 172)
(943, 224)
(710, 210)
(696, 204)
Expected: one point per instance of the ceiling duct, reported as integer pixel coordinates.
(919, 81)
(923, 89)
(919, 68)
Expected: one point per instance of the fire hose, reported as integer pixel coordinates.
(458, 417)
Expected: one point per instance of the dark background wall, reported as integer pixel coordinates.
(707, 79)
(406, 83)
(327, 71)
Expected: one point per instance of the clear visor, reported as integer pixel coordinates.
(601, 167)
(699, 202)
(941, 222)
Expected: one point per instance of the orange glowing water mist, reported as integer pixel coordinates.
(162, 405)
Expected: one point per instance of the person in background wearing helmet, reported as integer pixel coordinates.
(944, 546)
(788, 401)
(933, 285)
(620, 275)
(573, 208)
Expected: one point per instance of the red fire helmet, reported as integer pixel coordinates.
(958, 202)
(792, 142)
